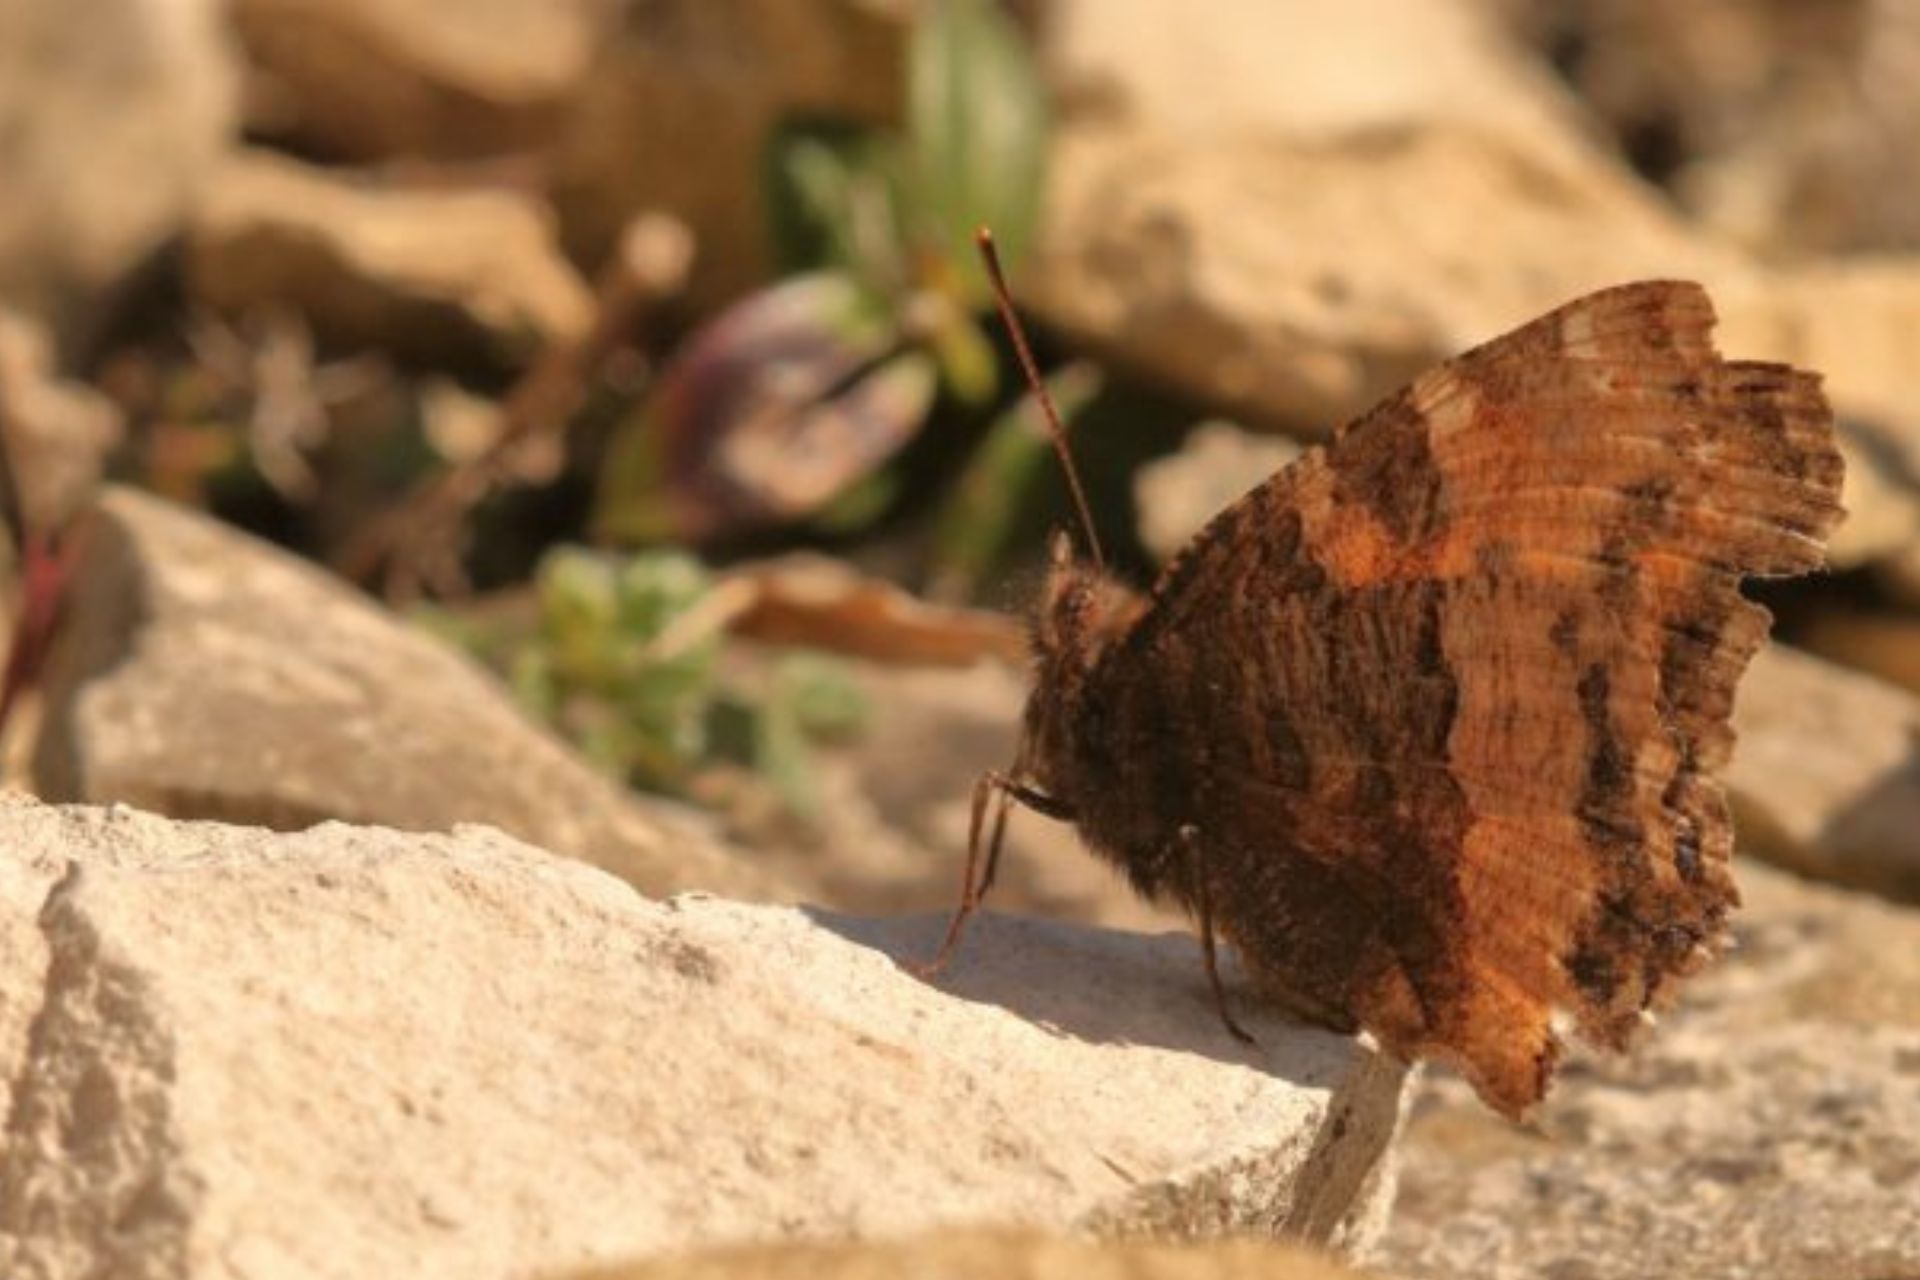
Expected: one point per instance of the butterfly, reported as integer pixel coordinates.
(1429, 725)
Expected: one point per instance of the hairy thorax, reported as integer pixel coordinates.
(1069, 751)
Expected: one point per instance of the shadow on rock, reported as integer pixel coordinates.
(1105, 986)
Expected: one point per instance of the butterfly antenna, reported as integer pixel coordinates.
(1003, 299)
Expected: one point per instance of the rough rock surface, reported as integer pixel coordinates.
(111, 116)
(204, 674)
(1770, 1127)
(725, 75)
(445, 275)
(987, 1255)
(27, 871)
(355, 1052)
(366, 79)
(1826, 778)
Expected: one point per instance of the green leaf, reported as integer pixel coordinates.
(860, 505)
(598, 670)
(653, 588)
(833, 201)
(781, 756)
(827, 701)
(973, 530)
(530, 675)
(968, 363)
(976, 133)
(578, 605)
(632, 499)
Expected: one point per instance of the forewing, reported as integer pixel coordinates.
(1453, 691)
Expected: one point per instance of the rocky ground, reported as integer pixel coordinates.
(363, 1052)
(319, 956)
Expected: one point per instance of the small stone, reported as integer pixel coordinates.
(441, 275)
(1217, 464)
(58, 432)
(112, 117)
(203, 674)
(1826, 777)
(1881, 644)
(369, 79)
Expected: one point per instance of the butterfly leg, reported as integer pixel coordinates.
(1203, 900)
(974, 882)
(1010, 791)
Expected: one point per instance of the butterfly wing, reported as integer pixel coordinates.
(1448, 698)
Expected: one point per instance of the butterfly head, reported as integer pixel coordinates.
(1076, 605)
(1083, 612)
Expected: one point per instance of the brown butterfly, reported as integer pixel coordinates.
(1429, 725)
